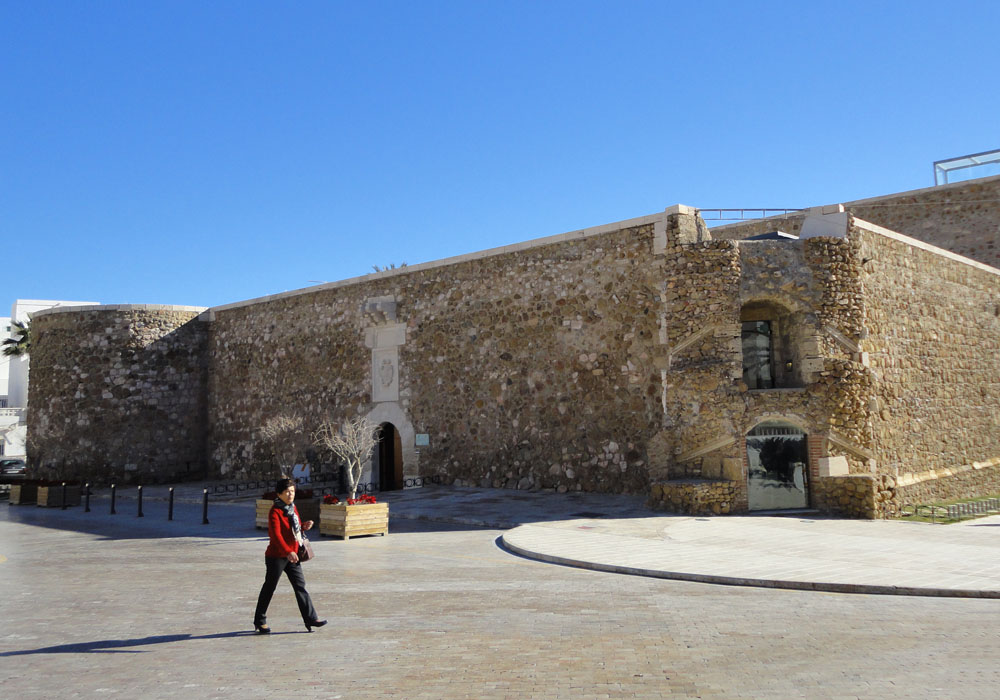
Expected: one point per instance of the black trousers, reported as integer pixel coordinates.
(275, 565)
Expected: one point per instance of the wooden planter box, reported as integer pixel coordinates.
(342, 520)
(308, 510)
(23, 494)
(51, 496)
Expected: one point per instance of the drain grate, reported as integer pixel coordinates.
(588, 514)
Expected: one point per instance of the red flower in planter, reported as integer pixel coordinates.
(364, 499)
(330, 500)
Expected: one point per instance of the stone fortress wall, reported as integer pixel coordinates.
(607, 359)
(118, 392)
(932, 336)
(528, 369)
(963, 217)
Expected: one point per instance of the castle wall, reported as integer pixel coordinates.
(963, 217)
(608, 359)
(933, 325)
(117, 392)
(709, 409)
(533, 368)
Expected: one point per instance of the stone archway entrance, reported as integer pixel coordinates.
(389, 455)
(777, 467)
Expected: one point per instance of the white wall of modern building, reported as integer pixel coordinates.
(14, 376)
(4, 361)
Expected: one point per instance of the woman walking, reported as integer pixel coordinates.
(284, 530)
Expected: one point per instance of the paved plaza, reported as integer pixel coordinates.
(101, 606)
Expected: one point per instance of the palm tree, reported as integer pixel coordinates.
(20, 344)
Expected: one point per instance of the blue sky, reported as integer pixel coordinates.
(204, 153)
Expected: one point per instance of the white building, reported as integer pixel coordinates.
(4, 361)
(14, 376)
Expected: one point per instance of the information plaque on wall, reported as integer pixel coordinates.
(423, 439)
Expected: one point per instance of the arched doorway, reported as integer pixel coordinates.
(390, 458)
(777, 467)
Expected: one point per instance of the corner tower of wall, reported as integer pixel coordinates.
(117, 392)
(933, 339)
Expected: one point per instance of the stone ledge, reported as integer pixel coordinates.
(118, 307)
(454, 260)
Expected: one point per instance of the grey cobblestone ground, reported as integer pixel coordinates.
(100, 606)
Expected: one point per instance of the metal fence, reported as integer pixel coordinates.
(322, 483)
(955, 511)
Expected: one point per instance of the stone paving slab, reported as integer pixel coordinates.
(101, 606)
(852, 556)
(618, 533)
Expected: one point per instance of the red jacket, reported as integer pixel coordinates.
(279, 530)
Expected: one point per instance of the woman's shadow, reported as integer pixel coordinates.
(120, 646)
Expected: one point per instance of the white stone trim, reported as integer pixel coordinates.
(455, 260)
(391, 412)
(923, 190)
(846, 342)
(117, 307)
(874, 228)
(716, 444)
(932, 474)
(848, 446)
(871, 201)
(690, 340)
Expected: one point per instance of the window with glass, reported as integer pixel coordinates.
(757, 354)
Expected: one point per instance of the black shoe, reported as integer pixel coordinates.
(314, 623)
(262, 629)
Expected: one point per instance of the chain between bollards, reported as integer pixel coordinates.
(139, 515)
(170, 506)
(113, 511)
(204, 507)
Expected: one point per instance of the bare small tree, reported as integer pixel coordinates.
(284, 435)
(353, 441)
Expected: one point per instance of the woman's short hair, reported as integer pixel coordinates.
(283, 484)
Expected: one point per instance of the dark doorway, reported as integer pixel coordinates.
(390, 458)
(777, 467)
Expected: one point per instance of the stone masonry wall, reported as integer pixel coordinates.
(963, 217)
(978, 479)
(708, 408)
(117, 392)
(694, 496)
(853, 496)
(533, 369)
(933, 339)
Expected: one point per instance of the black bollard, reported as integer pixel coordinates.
(170, 506)
(64, 495)
(140, 503)
(204, 508)
(113, 511)
(86, 497)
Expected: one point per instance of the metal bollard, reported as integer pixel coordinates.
(170, 506)
(64, 495)
(140, 503)
(113, 511)
(86, 497)
(204, 507)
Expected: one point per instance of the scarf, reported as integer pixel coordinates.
(293, 518)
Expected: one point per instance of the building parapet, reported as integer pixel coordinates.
(118, 307)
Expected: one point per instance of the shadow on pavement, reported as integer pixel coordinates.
(120, 646)
(427, 509)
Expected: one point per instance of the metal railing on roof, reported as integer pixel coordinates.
(943, 167)
(743, 214)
